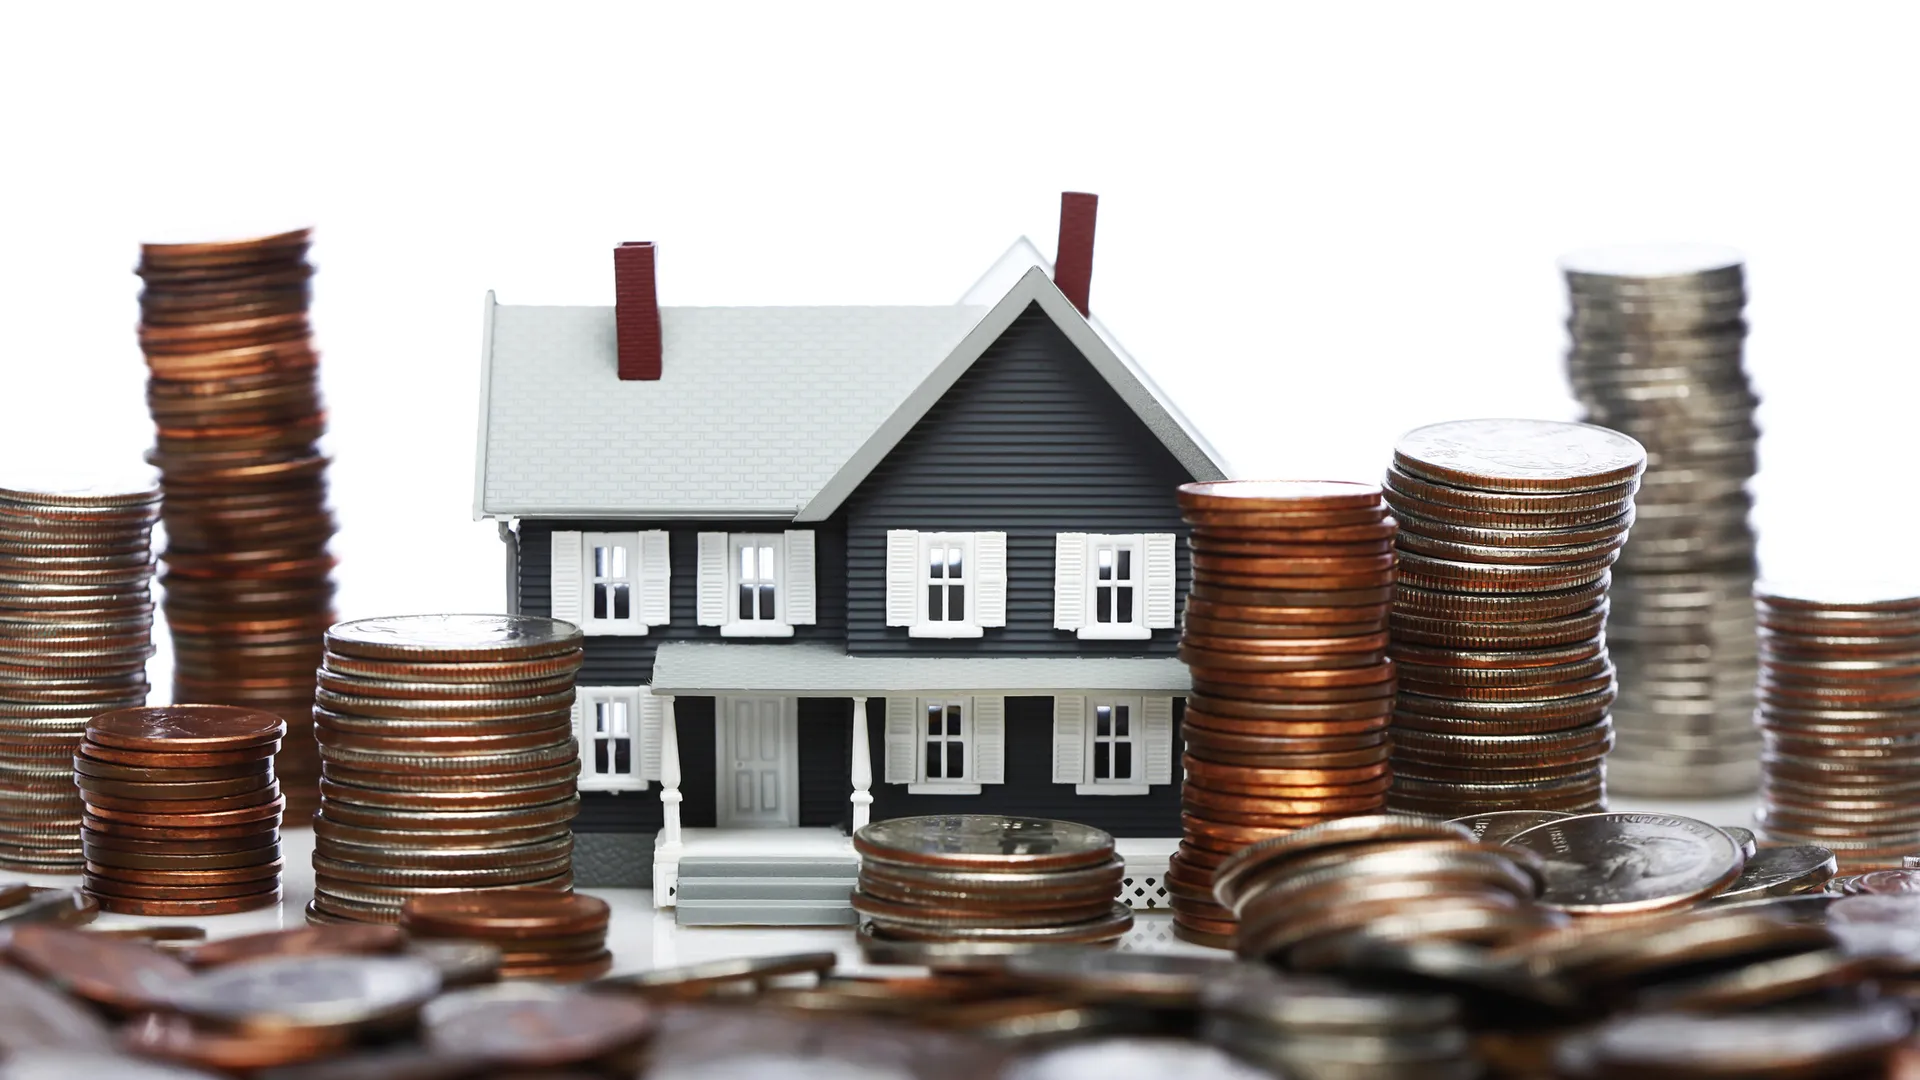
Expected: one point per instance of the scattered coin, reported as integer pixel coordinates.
(534, 1027)
(276, 993)
(1610, 864)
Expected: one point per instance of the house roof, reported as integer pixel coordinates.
(824, 669)
(763, 412)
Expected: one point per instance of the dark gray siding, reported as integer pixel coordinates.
(826, 762)
(1032, 441)
(1029, 789)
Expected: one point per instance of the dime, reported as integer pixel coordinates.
(1623, 862)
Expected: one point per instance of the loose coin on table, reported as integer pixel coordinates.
(1624, 863)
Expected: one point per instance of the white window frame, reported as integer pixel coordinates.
(1135, 784)
(631, 549)
(778, 626)
(966, 783)
(592, 699)
(969, 581)
(1135, 629)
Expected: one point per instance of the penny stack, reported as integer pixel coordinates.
(1285, 634)
(182, 809)
(1507, 531)
(1839, 716)
(235, 399)
(1656, 353)
(989, 878)
(76, 628)
(559, 937)
(448, 760)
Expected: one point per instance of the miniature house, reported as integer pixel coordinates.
(837, 564)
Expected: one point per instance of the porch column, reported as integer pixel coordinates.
(669, 775)
(862, 767)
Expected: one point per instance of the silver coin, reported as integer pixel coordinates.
(309, 991)
(1778, 1043)
(1318, 1006)
(1625, 862)
(1781, 871)
(986, 841)
(1499, 826)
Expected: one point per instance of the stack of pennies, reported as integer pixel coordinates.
(1507, 530)
(989, 878)
(76, 629)
(1657, 337)
(182, 809)
(1286, 637)
(235, 399)
(448, 760)
(558, 937)
(1324, 1028)
(1839, 716)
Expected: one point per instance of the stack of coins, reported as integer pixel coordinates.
(182, 809)
(559, 937)
(984, 877)
(1656, 353)
(1285, 634)
(76, 622)
(448, 760)
(1323, 1028)
(235, 398)
(1507, 528)
(1840, 718)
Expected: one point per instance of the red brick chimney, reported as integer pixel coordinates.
(1073, 261)
(636, 310)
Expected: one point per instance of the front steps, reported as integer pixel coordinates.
(765, 890)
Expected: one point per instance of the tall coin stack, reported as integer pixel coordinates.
(235, 398)
(182, 810)
(1839, 718)
(447, 758)
(1285, 634)
(1656, 353)
(76, 629)
(1507, 529)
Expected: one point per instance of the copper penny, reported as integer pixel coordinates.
(109, 858)
(266, 838)
(195, 728)
(225, 906)
(1198, 608)
(1309, 647)
(1202, 627)
(267, 826)
(1213, 661)
(121, 975)
(1240, 708)
(112, 889)
(176, 1038)
(171, 803)
(495, 915)
(1273, 597)
(1373, 674)
(1238, 742)
(1285, 496)
(269, 867)
(1297, 531)
(1287, 549)
(169, 759)
(106, 770)
(1292, 695)
(269, 811)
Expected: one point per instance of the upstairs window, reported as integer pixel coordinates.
(1114, 586)
(946, 584)
(757, 579)
(947, 563)
(611, 563)
(756, 584)
(611, 583)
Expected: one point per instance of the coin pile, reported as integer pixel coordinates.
(76, 622)
(1839, 715)
(1809, 1042)
(235, 400)
(448, 760)
(1316, 1028)
(182, 809)
(989, 878)
(1285, 634)
(1656, 353)
(1630, 863)
(559, 937)
(1507, 530)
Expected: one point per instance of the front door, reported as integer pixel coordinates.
(757, 747)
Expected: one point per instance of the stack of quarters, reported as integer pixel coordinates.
(76, 629)
(1657, 353)
(1839, 717)
(448, 760)
(1507, 529)
(235, 399)
(1286, 637)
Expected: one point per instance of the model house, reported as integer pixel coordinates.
(836, 564)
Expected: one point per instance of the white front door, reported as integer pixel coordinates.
(758, 744)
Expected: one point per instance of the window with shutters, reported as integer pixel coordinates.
(1113, 741)
(611, 583)
(756, 579)
(1114, 587)
(756, 584)
(947, 734)
(946, 585)
(1113, 564)
(948, 561)
(1113, 744)
(611, 577)
(610, 737)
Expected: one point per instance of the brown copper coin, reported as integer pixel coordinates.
(222, 906)
(1297, 695)
(193, 728)
(158, 787)
(1206, 564)
(120, 975)
(1374, 674)
(268, 811)
(346, 940)
(268, 866)
(1372, 530)
(1287, 549)
(1321, 585)
(1290, 728)
(182, 831)
(1285, 615)
(111, 805)
(444, 638)
(133, 860)
(1221, 629)
(111, 889)
(1267, 597)
(494, 915)
(1307, 647)
(1219, 709)
(1284, 496)
(1238, 742)
(105, 770)
(176, 1038)
(253, 841)
(1269, 520)
(1214, 662)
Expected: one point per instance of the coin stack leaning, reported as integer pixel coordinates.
(985, 877)
(236, 403)
(559, 937)
(1285, 634)
(182, 809)
(76, 629)
(1507, 530)
(1839, 717)
(448, 760)
(1656, 353)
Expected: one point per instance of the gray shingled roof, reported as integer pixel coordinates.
(825, 669)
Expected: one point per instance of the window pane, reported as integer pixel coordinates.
(746, 564)
(623, 756)
(936, 560)
(1106, 564)
(1103, 604)
(953, 561)
(933, 761)
(620, 602)
(953, 719)
(1124, 602)
(620, 725)
(600, 568)
(1120, 720)
(1123, 761)
(746, 601)
(600, 757)
(956, 603)
(1126, 564)
(766, 601)
(933, 720)
(956, 760)
(766, 564)
(1102, 721)
(619, 561)
(1101, 761)
(934, 594)
(599, 601)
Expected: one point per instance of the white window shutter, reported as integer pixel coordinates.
(1157, 736)
(990, 740)
(800, 588)
(1069, 739)
(653, 718)
(712, 605)
(903, 740)
(903, 577)
(1160, 572)
(656, 579)
(565, 580)
(990, 578)
(1069, 582)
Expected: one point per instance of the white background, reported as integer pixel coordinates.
(1321, 224)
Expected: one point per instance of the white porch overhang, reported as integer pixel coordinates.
(822, 669)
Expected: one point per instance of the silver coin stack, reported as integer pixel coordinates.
(1656, 353)
(76, 629)
(1324, 1028)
